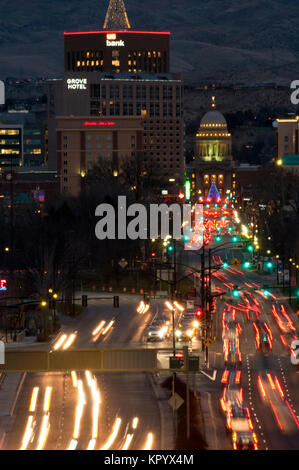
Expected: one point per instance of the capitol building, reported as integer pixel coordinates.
(212, 161)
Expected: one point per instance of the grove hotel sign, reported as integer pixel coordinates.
(77, 83)
(111, 41)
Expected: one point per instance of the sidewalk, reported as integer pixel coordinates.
(166, 417)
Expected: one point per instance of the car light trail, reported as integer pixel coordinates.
(279, 387)
(79, 410)
(261, 387)
(69, 341)
(33, 400)
(108, 327)
(60, 342)
(293, 414)
(127, 442)
(225, 376)
(73, 444)
(74, 379)
(169, 305)
(47, 399)
(271, 381)
(276, 415)
(91, 444)
(96, 405)
(113, 435)
(43, 433)
(149, 441)
(28, 433)
(141, 307)
(179, 306)
(98, 328)
(135, 423)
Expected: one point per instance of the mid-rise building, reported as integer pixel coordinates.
(117, 102)
(11, 145)
(287, 143)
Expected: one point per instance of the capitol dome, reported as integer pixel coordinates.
(213, 141)
(213, 119)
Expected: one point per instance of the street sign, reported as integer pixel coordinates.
(176, 362)
(286, 275)
(123, 263)
(208, 342)
(293, 281)
(236, 262)
(175, 401)
(193, 363)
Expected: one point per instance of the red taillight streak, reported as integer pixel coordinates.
(238, 377)
(279, 387)
(225, 377)
(222, 404)
(269, 331)
(293, 414)
(261, 387)
(283, 340)
(276, 415)
(271, 381)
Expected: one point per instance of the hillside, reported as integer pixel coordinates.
(230, 40)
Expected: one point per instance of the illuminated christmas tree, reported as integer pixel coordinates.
(213, 195)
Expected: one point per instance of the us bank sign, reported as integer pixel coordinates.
(77, 83)
(112, 42)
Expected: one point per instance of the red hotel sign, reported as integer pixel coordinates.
(100, 123)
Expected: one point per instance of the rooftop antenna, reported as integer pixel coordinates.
(116, 16)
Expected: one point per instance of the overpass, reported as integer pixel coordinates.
(98, 360)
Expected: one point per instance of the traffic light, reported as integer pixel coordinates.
(198, 313)
(213, 305)
(225, 265)
(230, 229)
(236, 292)
(218, 238)
(84, 300)
(116, 301)
(153, 255)
(266, 291)
(246, 265)
(186, 238)
(170, 248)
(269, 264)
(250, 248)
(235, 239)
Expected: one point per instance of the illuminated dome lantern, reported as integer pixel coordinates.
(213, 141)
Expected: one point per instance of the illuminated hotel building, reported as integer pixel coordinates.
(213, 157)
(116, 102)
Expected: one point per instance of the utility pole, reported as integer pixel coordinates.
(186, 362)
